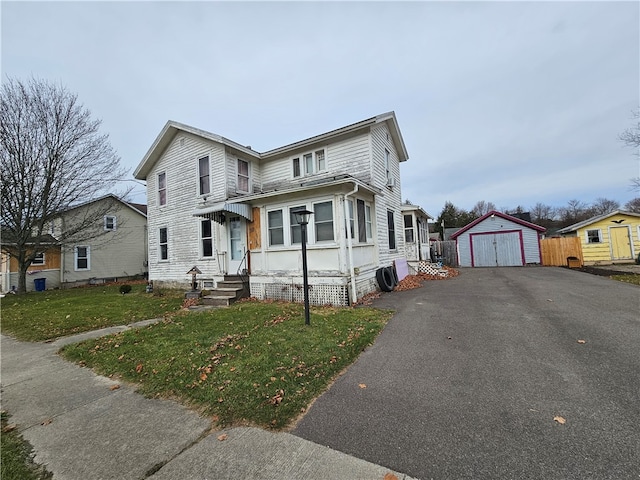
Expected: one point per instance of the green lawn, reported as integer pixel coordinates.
(38, 316)
(630, 278)
(254, 363)
(16, 456)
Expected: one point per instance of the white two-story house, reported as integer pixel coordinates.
(227, 209)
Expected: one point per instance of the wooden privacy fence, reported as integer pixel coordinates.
(445, 251)
(555, 251)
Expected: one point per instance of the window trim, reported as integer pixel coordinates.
(40, 256)
(587, 239)
(161, 243)
(391, 230)
(315, 223)
(114, 226)
(201, 177)
(161, 188)
(281, 227)
(409, 229)
(296, 225)
(76, 257)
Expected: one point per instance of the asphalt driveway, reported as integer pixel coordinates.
(467, 378)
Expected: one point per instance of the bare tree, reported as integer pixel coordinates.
(52, 159)
(631, 138)
(633, 205)
(574, 212)
(481, 208)
(604, 205)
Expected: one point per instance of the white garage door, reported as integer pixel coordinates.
(497, 250)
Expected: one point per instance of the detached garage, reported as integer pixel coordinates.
(498, 240)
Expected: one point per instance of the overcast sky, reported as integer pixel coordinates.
(512, 103)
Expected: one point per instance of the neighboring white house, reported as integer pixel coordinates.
(416, 233)
(227, 209)
(498, 240)
(115, 249)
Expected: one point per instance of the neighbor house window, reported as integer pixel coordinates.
(81, 258)
(323, 221)
(38, 259)
(109, 222)
(162, 188)
(408, 229)
(276, 227)
(243, 176)
(296, 229)
(594, 236)
(203, 174)
(391, 227)
(163, 242)
(206, 233)
(312, 162)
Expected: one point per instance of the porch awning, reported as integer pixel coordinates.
(219, 211)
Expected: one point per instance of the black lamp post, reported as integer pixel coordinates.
(302, 217)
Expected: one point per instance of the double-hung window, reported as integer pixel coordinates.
(391, 227)
(409, 236)
(387, 163)
(109, 222)
(323, 221)
(243, 176)
(163, 242)
(81, 257)
(296, 228)
(204, 175)
(206, 233)
(594, 236)
(351, 227)
(162, 188)
(276, 228)
(363, 214)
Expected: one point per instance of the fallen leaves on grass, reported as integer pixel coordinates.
(139, 368)
(9, 428)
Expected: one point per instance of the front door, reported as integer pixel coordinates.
(620, 243)
(237, 233)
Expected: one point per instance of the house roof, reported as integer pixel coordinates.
(410, 208)
(495, 213)
(45, 239)
(597, 218)
(171, 128)
(137, 207)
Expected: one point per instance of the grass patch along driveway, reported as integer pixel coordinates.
(253, 363)
(39, 316)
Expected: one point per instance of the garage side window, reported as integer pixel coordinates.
(594, 236)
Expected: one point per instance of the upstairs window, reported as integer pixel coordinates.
(594, 236)
(243, 176)
(162, 188)
(387, 163)
(206, 233)
(38, 259)
(310, 163)
(109, 222)
(203, 173)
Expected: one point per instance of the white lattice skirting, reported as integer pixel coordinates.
(431, 269)
(318, 294)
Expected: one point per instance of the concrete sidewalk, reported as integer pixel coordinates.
(82, 429)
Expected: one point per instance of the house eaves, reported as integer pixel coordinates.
(495, 213)
(166, 136)
(414, 208)
(389, 118)
(597, 218)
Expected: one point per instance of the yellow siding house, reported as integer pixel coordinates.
(610, 238)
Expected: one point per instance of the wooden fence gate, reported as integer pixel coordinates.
(445, 251)
(556, 251)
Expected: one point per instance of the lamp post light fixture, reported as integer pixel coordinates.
(302, 217)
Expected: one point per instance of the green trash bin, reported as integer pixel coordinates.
(40, 284)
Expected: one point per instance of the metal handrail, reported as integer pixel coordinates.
(243, 272)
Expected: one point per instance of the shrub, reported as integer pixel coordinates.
(125, 289)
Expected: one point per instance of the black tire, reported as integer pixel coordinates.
(385, 279)
(394, 275)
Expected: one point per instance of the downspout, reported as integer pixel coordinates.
(352, 272)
